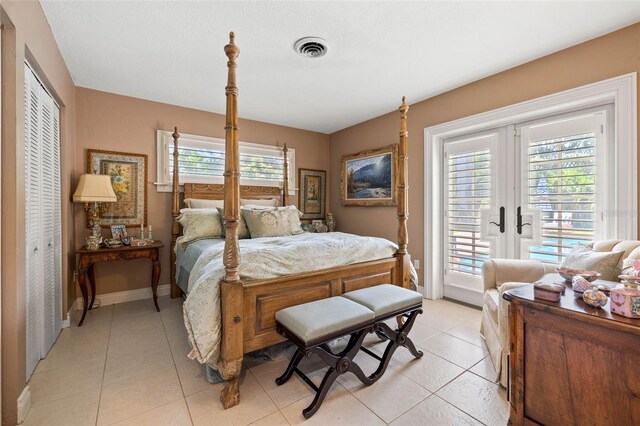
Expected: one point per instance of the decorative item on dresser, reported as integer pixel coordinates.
(312, 193)
(331, 222)
(94, 189)
(368, 178)
(128, 173)
(87, 258)
(248, 308)
(571, 363)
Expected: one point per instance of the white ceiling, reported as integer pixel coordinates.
(172, 51)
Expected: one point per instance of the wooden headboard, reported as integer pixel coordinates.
(215, 191)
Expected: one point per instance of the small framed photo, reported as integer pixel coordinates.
(119, 231)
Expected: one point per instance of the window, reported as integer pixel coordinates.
(202, 160)
(469, 191)
(562, 185)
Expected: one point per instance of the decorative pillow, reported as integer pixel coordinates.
(269, 202)
(243, 231)
(627, 264)
(582, 257)
(199, 224)
(277, 222)
(201, 203)
(294, 219)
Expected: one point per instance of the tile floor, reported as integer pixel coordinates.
(128, 365)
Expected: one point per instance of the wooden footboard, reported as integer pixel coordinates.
(263, 298)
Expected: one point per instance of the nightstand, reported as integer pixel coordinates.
(87, 258)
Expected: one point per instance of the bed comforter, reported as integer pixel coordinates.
(263, 258)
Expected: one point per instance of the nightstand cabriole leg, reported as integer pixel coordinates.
(154, 282)
(82, 282)
(92, 282)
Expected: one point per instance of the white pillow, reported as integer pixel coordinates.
(272, 222)
(199, 224)
(269, 202)
(201, 203)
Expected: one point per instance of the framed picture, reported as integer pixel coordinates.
(128, 174)
(119, 231)
(368, 178)
(311, 198)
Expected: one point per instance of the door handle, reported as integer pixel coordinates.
(519, 224)
(502, 223)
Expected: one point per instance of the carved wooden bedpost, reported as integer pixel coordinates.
(404, 259)
(285, 175)
(231, 349)
(175, 212)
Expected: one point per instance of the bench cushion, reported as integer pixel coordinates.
(384, 299)
(315, 321)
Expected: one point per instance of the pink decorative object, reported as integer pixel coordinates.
(547, 291)
(595, 298)
(579, 284)
(636, 267)
(625, 301)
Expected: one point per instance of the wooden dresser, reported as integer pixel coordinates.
(571, 364)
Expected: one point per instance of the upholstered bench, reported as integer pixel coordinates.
(312, 326)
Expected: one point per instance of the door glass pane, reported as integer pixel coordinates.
(561, 184)
(469, 178)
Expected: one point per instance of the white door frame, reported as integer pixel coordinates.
(621, 91)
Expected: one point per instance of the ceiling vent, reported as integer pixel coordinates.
(311, 47)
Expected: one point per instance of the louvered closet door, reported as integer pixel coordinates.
(43, 221)
(471, 180)
(49, 204)
(57, 227)
(563, 180)
(34, 267)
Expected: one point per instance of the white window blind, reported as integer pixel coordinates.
(469, 190)
(562, 182)
(202, 160)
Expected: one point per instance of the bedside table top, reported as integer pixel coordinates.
(155, 244)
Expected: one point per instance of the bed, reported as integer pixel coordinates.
(247, 308)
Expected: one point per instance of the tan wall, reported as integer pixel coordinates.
(26, 34)
(119, 123)
(608, 56)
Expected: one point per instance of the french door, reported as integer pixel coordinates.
(525, 191)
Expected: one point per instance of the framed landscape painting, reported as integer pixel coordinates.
(128, 174)
(311, 198)
(368, 178)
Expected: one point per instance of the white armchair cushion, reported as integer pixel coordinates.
(490, 302)
(606, 263)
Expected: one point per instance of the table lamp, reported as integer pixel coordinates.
(94, 189)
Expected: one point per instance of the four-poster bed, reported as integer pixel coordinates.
(248, 308)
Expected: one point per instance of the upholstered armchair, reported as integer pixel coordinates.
(500, 275)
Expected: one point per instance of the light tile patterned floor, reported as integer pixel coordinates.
(128, 365)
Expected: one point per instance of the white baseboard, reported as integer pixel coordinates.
(127, 296)
(472, 297)
(24, 404)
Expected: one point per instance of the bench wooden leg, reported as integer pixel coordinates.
(293, 366)
(397, 338)
(339, 363)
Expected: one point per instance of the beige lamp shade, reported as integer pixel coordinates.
(94, 189)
